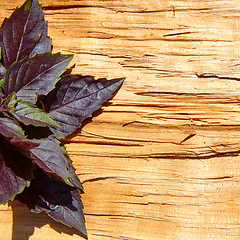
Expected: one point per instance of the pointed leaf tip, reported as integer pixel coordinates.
(60, 201)
(77, 98)
(53, 159)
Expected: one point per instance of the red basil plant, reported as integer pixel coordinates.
(40, 105)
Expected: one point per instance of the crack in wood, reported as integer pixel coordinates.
(210, 75)
(177, 34)
(67, 7)
(97, 179)
(117, 237)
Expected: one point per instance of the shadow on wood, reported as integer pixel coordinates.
(25, 222)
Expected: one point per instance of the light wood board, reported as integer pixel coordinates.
(161, 161)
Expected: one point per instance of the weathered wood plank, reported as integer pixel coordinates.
(162, 159)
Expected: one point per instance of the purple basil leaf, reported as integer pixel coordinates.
(24, 33)
(53, 159)
(76, 99)
(15, 173)
(35, 76)
(59, 200)
(13, 133)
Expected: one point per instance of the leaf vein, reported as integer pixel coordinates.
(21, 41)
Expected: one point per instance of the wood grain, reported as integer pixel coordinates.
(161, 161)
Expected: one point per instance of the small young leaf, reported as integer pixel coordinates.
(15, 173)
(24, 34)
(35, 76)
(77, 98)
(30, 114)
(58, 199)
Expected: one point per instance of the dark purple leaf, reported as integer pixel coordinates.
(24, 33)
(77, 98)
(35, 76)
(59, 200)
(15, 173)
(53, 159)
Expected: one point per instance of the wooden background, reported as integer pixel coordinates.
(162, 159)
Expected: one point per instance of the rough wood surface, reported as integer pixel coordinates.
(162, 159)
